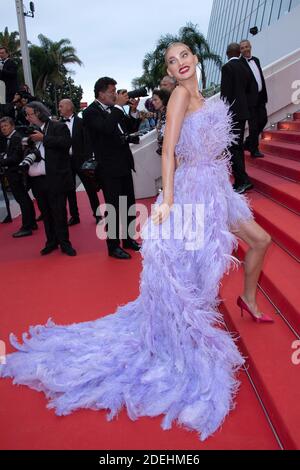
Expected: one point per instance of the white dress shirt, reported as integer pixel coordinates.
(39, 168)
(256, 73)
(107, 108)
(70, 126)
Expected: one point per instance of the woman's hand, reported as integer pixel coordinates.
(161, 213)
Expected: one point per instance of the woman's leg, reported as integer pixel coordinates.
(258, 241)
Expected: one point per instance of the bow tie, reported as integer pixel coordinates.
(66, 120)
(249, 60)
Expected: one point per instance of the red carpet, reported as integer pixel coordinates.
(69, 290)
(89, 286)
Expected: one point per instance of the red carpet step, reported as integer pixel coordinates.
(281, 190)
(280, 166)
(285, 136)
(268, 348)
(280, 279)
(289, 125)
(282, 224)
(289, 150)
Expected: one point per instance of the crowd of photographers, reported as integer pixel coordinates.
(45, 154)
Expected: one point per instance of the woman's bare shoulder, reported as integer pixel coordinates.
(180, 97)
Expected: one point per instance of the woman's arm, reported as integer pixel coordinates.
(177, 107)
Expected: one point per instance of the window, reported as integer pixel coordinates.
(285, 7)
(267, 14)
(260, 14)
(295, 3)
(275, 11)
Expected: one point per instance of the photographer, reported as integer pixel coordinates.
(10, 160)
(109, 128)
(51, 176)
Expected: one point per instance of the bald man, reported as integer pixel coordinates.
(168, 83)
(259, 98)
(79, 152)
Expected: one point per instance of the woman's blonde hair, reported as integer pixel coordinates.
(177, 43)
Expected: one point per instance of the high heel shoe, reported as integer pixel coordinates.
(243, 306)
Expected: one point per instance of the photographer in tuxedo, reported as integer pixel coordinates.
(11, 157)
(79, 154)
(8, 74)
(108, 128)
(51, 176)
(235, 86)
(258, 100)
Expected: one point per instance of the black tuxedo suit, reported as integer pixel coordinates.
(51, 189)
(9, 76)
(257, 106)
(80, 153)
(115, 159)
(14, 152)
(235, 89)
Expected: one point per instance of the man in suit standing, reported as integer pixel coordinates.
(79, 154)
(13, 155)
(235, 86)
(8, 74)
(51, 177)
(108, 128)
(258, 100)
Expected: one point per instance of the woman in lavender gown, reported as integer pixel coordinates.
(166, 353)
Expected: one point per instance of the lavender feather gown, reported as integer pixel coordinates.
(164, 353)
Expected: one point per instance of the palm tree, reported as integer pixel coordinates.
(11, 41)
(49, 63)
(191, 36)
(154, 62)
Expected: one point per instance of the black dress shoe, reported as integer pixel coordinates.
(245, 187)
(257, 154)
(40, 217)
(22, 233)
(48, 249)
(131, 245)
(74, 221)
(119, 253)
(7, 220)
(68, 250)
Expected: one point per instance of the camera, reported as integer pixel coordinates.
(138, 93)
(33, 155)
(31, 152)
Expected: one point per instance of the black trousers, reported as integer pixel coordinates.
(238, 156)
(6, 199)
(90, 190)
(113, 188)
(54, 211)
(22, 197)
(257, 122)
